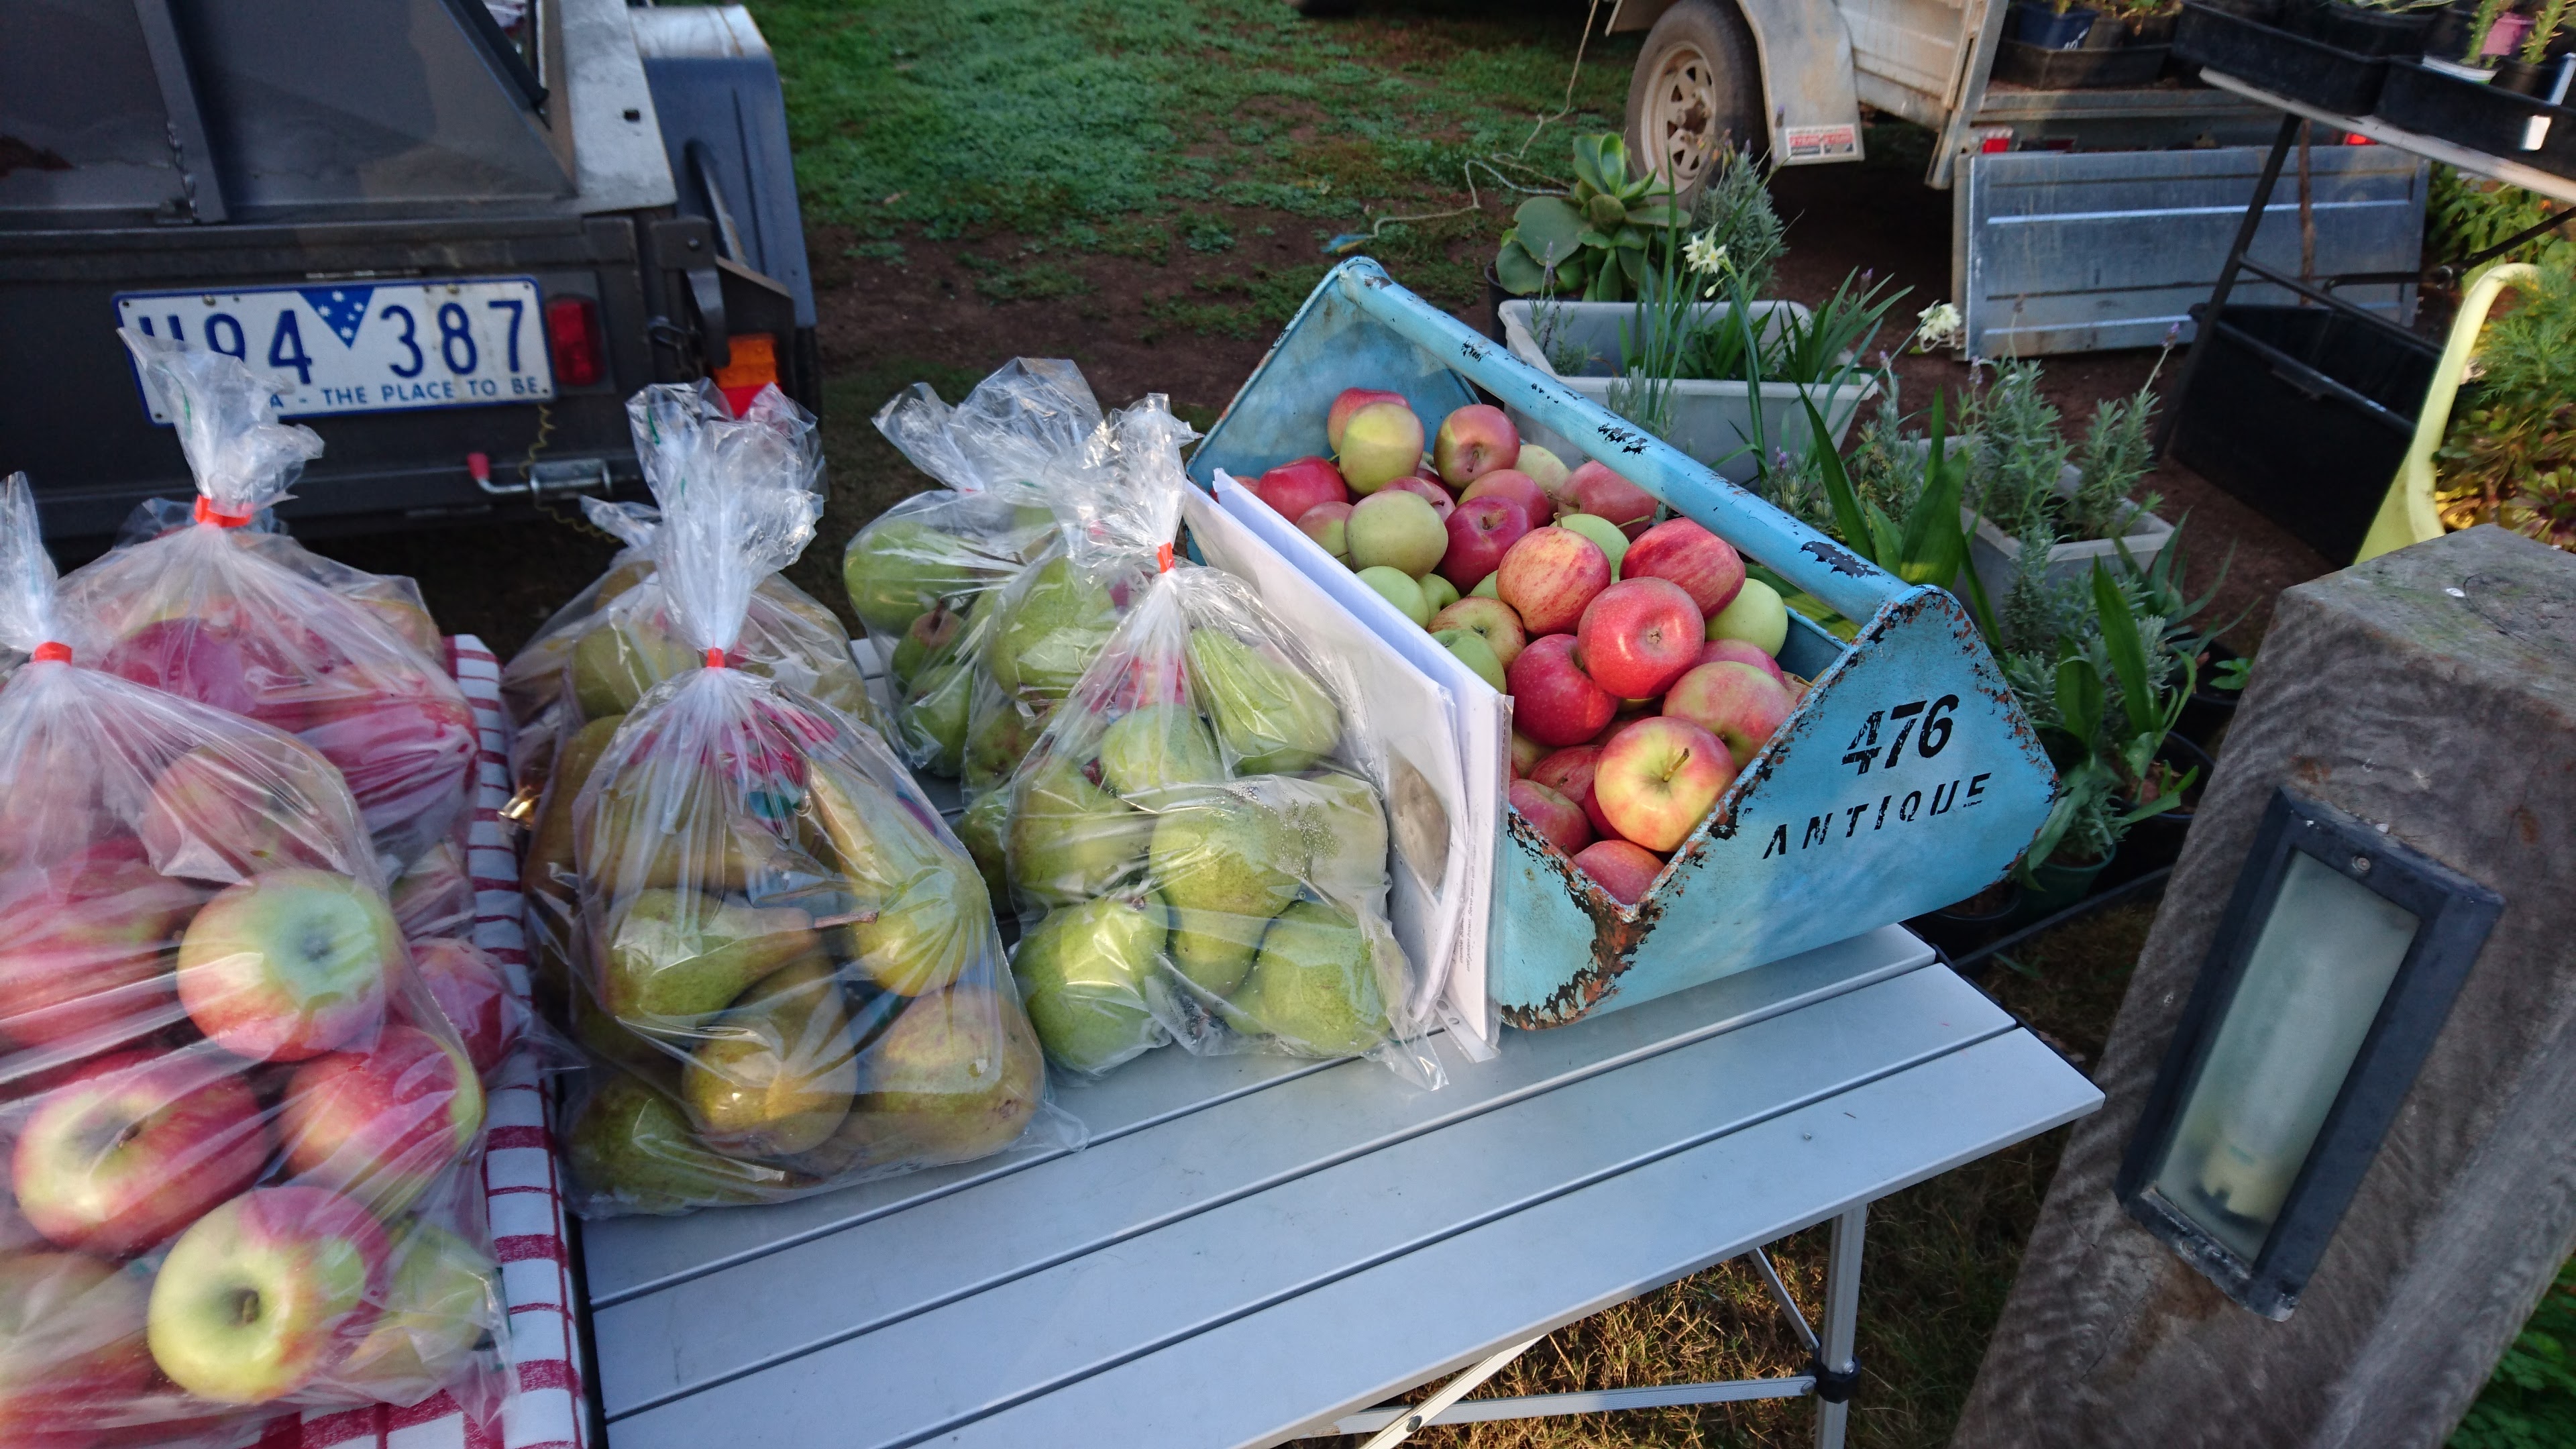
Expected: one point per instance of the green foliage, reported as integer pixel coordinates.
(1928, 547)
(999, 281)
(2465, 215)
(2117, 452)
(2509, 456)
(2544, 29)
(2530, 1403)
(1734, 212)
(2020, 452)
(1817, 348)
(886, 253)
(2106, 703)
(1207, 234)
(1598, 241)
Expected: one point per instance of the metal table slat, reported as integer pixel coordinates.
(1323, 1145)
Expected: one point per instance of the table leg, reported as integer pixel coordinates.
(1841, 1326)
(2227, 276)
(1450, 1393)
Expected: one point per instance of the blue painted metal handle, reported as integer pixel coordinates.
(1849, 584)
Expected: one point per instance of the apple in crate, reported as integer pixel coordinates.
(135, 1146)
(1626, 870)
(1526, 752)
(1756, 615)
(1569, 773)
(1706, 566)
(1553, 701)
(1736, 651)
(265, 1292)
(1559, 819)
(1381, 442)
(1329, 525)
(71, 1344)
(1400, 589)
(1545, 469)
(1398, 530)
(1474, 441)
(1550, 577)
(1351, 400)
(1481, 531)
(1292, 488)
(1604, 534)
(1442, 504)
(1638, 636)
(1604, 494)
(1469, 648)
(1517, 486)
(1740, 704)
(1491, 618)
(381, 1125)
(85, 944)
(1659, 778)
(288, 965)
(475, 997)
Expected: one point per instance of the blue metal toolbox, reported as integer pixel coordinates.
(1907, 778)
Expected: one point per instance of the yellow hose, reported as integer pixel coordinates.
(2407, 514)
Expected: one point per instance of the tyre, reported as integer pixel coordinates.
(1697, 90)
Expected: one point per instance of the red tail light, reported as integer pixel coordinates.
(572, 336)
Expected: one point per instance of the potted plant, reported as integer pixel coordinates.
(2332, 54)
(1598, 240)
(2051, 24)
(2527, 72)
(2126, 45)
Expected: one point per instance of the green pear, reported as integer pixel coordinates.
(619, 659)
(1006, 728)
(548, 868)
(1158, 747)
(1053, 630)
(632, 1147)
(1269, 715)
(600, 1034)
(675, 956)
(775, 1074)
(1069, 838)
(980, 830)
(932, 721)
(1226, 864)
(921, 936)
(1085, 971)
(677, 822)
(929, 639)
(1314, 984)
(899, 569)
(1341, 825)
(955, 1077)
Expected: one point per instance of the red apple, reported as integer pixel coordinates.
(1738, 703)
(381, 1125)
(289, 965)
(435, 897)
(408, 756)
(1569, 773)
(1292, 488)
(85, 945)
(1706, 566)
(1481, 531)
(1329, 525)
(1659, 778)
(1738, 651)
(1428, 490)
(1557, 818)
(1490, 618)
(1638, 636)
(474, 996)
(1353, 399)
(1627, 871)
(250, 802)
(190, 657)
(136, 1146)
(1474, 441)
(1605, 494)
(1517, 486)
(1525, 753)
(266, 1293)
(1553, 702)
(1550, 577)
(71, 1347)
(1381, 442)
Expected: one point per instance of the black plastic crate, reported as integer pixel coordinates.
(2480, 117)
(2278, 61)
(2040, 68)
(2304, 413)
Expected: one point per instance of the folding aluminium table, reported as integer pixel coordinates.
(1255, 1249)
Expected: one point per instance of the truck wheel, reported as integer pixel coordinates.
(1697, 90)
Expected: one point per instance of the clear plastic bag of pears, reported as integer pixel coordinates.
(791, 974)
(1198, 854)
(244, 1173)
(921, 575)
(210, 611)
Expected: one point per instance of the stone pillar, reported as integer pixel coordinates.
(2431, 692)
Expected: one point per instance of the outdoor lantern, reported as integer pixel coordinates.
(2330, 974)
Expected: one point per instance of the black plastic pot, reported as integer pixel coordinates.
(2206, 715)
(2156, 841)
(2481, 117)
(2066, 70)
(2521, 77)
(2296, 66)
(2044, 27)
(1963, 926)
(1495, 296)
(2150, 30)
(2453, 31)
(2304, 413)
(2359, 30)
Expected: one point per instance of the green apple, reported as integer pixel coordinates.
(289, 964)
(1472, 650)
(1086, 973)
(1756, 615)
(1602, 532)
(1398, 588)
(254, 1300)
(1437, 592)
(1269, 716)
(442, 1302)
(1486, 587)
(1399, 530)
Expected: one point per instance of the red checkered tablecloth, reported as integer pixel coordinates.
(521, 1170)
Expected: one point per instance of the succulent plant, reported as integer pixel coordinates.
(1597, 241)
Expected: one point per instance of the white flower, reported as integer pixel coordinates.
(1704, 255)
(1938, 325)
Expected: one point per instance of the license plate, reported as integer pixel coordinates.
(356, 347)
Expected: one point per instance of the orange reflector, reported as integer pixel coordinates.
(754, 366)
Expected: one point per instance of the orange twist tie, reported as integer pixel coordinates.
(715, 659)
(50, 652)
(207, 512)
(1163, 556)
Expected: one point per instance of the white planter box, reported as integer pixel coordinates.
(1712, 421)
(1996, 555)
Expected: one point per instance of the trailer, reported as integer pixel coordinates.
(461, 232)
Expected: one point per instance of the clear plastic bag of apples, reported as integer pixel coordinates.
(244, 1141)
(1198, 849)
(790, 974)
